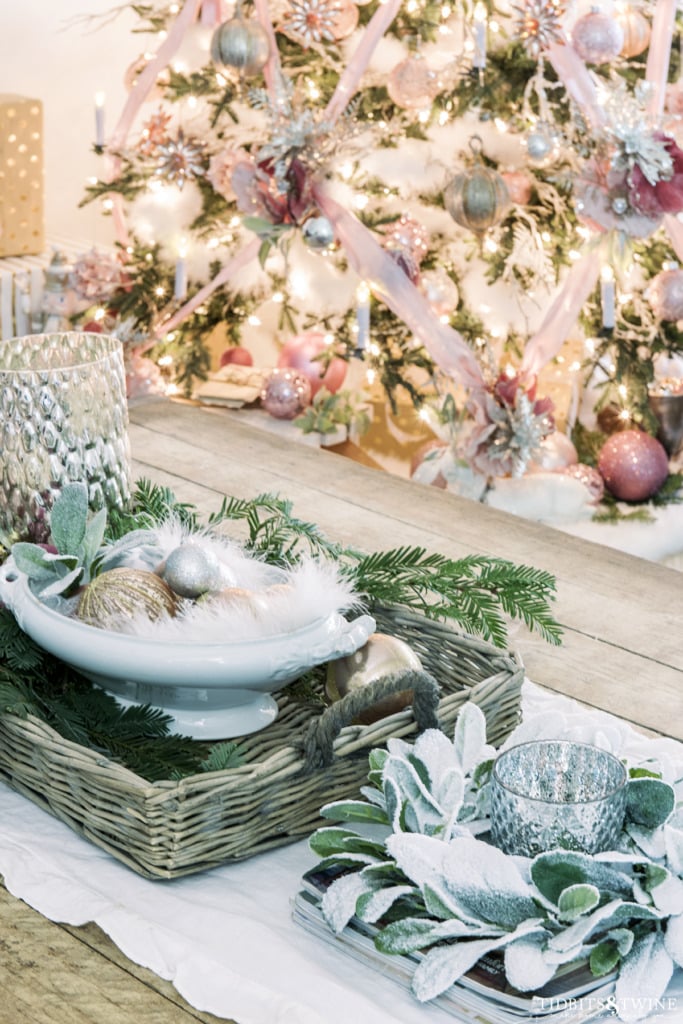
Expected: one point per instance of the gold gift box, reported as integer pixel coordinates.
(22, 229)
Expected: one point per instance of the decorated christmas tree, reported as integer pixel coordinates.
(470, 205)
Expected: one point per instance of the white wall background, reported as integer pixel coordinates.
(48, 53)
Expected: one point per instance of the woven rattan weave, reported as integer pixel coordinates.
(167, 829)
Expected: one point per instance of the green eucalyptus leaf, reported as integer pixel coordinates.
(69, 517)
(649, 802)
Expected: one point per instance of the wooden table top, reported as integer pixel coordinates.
(622, 651)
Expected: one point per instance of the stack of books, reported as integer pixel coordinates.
(483, 995)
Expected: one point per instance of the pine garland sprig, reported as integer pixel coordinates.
(474, 591)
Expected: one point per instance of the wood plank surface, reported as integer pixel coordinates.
(622, 616)
(54, 974)
(622, 652)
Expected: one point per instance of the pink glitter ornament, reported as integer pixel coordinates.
(597, 37)
(589, 477)
(301, 353)
(412, 84)
(236, 355)
(666, 294)
(286, 394)
(633, 464)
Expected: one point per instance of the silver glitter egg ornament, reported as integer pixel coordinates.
(318, 233)
(191, 570)
(242, 45)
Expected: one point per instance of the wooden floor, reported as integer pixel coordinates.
(55, 974)
(622, 652)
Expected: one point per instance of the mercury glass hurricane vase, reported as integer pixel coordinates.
(63, 418)
(557, 794)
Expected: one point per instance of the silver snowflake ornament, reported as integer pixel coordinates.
(312, 21)
(538, 24)
(180, 160)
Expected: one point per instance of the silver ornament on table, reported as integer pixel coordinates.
(478, 197)
(191, 570)
(382, 655)
(242, 45)
(318, 233)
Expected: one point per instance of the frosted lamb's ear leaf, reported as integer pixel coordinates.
(372, 906)
(673, 940)
(469, 740)
(338, 905)
(525, 965)
(69, 518)
(649, 802)
(435, 751)
(486, 884)
(643, 977)
(577, 900)
(443, 965)
(673, 842)
(419, 857)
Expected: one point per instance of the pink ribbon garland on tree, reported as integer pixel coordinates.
(659, 56)
(143, 86)
(389, 283)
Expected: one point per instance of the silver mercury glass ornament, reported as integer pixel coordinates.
(241, 44)
(318, 233)
(478, 197)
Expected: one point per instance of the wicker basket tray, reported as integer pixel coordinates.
(307, 758)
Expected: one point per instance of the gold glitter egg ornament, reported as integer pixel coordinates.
(478, 197)
(382, 655)
(242, 45)
(122, 593)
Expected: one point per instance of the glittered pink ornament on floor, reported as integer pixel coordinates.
(597, 37)
(236, 355)
(412, 84)
(589, 477)
(300, 353)
(633, 464)
(286, 393)
(666, 294)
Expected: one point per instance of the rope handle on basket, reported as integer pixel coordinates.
(320, 734)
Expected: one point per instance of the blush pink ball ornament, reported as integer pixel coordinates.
(589, 477)
(237, 356)
(633, 464)
(666, 294)
(597, 37)
(300, 353)
(286, 393)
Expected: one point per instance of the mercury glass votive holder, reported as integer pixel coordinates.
(557, 794)
(63, 418)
